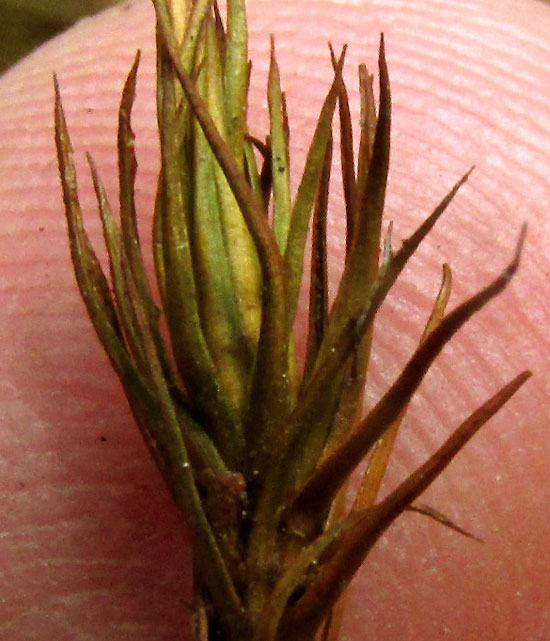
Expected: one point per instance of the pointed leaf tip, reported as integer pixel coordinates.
(382, 63)
(55, 84)
(442, 519)
(519, 250)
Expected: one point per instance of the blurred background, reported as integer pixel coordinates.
(24, 24)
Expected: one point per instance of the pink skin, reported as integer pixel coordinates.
(90, 544)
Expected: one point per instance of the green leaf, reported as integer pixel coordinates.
(217, 301)
(240, 252)
(282, 209)
(307, 191)
(89, 275)
(236, 76)
(113, 241)
(130, 249)
(95, 291)
(158, 241)
(193, 27)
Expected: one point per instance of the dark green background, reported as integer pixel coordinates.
(24, 24)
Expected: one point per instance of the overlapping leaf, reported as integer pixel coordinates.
(257, 452)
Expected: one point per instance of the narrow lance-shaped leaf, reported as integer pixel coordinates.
(127, 168)
(217, 304)
(96, 296)
(368, 129)
(383, 447)
(157, 237)
(166, 441)
(212, 199)
(347, 159)
(362, 261)
(308, 612)
(130, 244)
(89, 275)
(296, 465)
(236, 76)
(160, 197)
(318, 286)
(307, 191)
(190, 30)
(239, 254)
(440, 518)
(350, 403)
(327, 479)
(113, 242)
(282, 208)
(264, 531)
(307, 451)
(179, 130)
(221, 35)
(362, 249)
(93, 285)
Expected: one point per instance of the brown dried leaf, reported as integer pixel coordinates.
(349, 551)
(329, 476)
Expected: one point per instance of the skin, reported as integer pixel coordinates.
(90, 544)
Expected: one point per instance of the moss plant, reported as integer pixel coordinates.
(255, 447)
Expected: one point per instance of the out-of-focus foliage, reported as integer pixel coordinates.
(27, 23)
